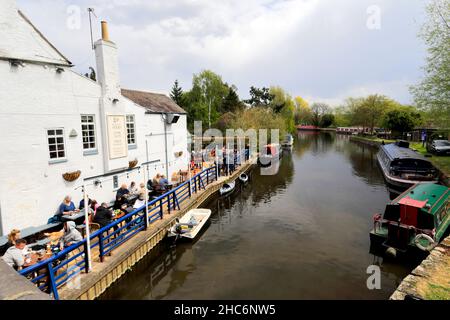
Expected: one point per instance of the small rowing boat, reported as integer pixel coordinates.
(189, 225)
(243, 177)
(288, 142)
(227, 188)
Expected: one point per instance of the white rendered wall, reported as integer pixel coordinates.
(35, 98)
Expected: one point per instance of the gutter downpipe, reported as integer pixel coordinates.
(165, 145)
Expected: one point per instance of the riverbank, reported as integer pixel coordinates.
(441, 163)
(431, 279)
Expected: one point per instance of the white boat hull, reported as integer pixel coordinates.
(227, 188)
(398, 182)
(243, 178)
(189, 230)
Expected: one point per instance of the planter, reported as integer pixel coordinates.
(132, 164)
(71, 176)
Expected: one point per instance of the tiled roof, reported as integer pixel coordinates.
(154, 102)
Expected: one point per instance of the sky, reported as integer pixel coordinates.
(322, 50)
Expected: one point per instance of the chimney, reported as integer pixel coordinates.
(107, 64)
(105, 33)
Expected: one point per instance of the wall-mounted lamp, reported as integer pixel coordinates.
(115, 100)
(73, 133)
(16, 63)
(60, 70)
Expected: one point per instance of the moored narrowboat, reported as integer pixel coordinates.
(288, 141)
(418, 218)
(271, 154)
(403, 167)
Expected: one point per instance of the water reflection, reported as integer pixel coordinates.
(299, 234)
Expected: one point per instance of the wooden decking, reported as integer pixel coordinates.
(103, 274)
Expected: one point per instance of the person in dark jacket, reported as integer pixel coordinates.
(123, 191)
(103, 216)
(120, 201)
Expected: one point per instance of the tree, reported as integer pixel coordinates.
(204, 100)
(259, 118)
(177, 93)
(317, 111)
(401, 120)
(283, 104)
(327, 120)
(303, 113)
(433, 92)
(374, 107)
(259, 97)
(368, 112)
(231, 103)
(342, 116)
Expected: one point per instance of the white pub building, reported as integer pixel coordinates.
(59, 128)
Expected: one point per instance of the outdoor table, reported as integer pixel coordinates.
(73, 217)
(118, 216)
(36, 258)
(42, 242)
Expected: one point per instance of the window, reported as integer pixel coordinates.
(88, 132)
(56, 145)
(131, 130)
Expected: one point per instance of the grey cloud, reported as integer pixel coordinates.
(315, 48)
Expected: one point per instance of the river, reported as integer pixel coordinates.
(302, 233)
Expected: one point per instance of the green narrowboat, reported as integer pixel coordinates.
(418, 218)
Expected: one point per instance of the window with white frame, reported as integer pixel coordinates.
(131, 129)
(88, 132)
(56, 144)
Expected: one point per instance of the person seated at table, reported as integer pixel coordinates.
(103, 216)
(71, 234)
(93, 207)
(12, 237)
(92, 210)
(140, 201)
(163, 182)
(67, 207)
(120, 201)
(156, 179)
(133, 189)
(14, 255)
(123, 191)
(81, 205)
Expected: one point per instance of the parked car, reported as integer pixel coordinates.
(439, 147)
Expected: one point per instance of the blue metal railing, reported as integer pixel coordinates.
(63, 267)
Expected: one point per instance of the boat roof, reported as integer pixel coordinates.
(395, 152)
(432, 196)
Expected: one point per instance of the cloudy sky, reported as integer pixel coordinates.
(323, 50)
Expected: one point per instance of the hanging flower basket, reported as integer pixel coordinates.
(132, 164)
(71, 176)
